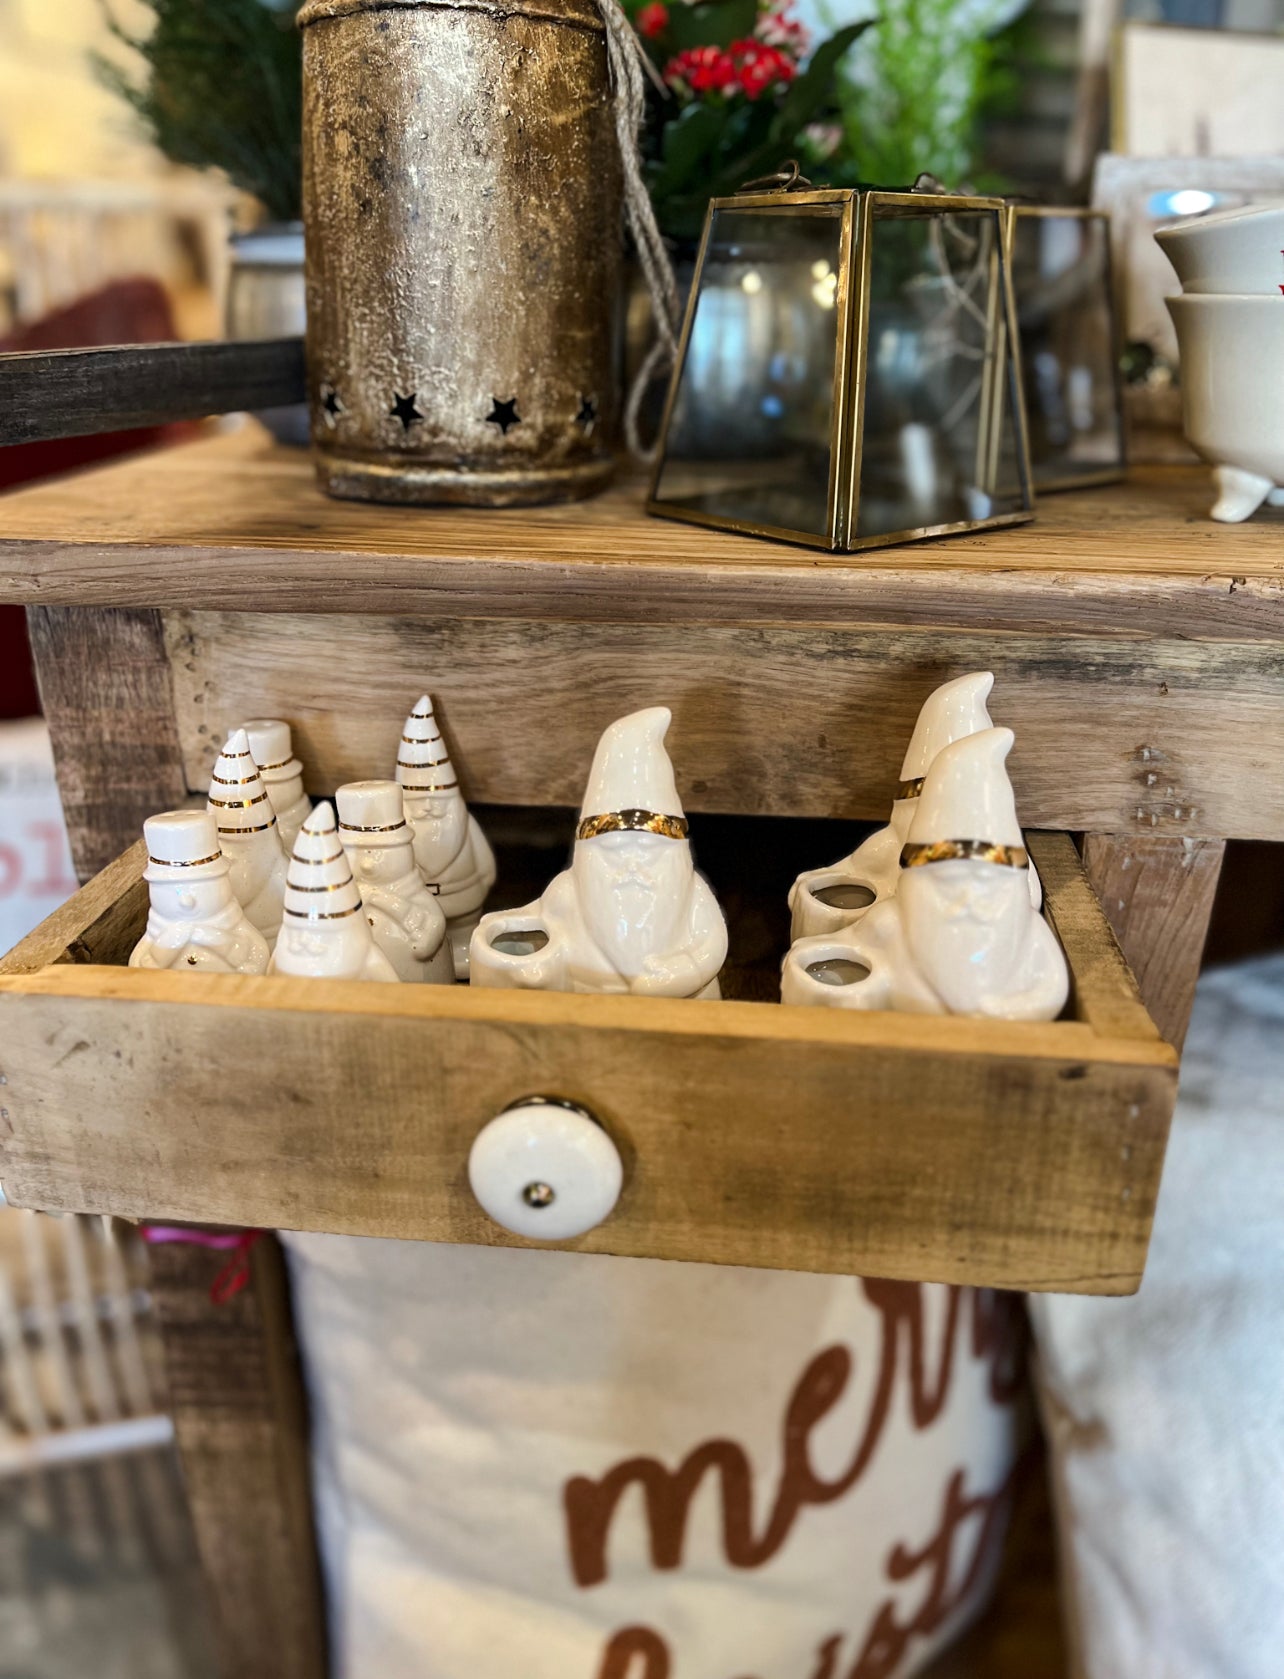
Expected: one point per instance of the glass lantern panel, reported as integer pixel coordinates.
(1061, 277)
(749, 438)
(938, 445)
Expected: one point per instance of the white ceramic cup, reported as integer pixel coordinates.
(1236, 252)
(1232, 386)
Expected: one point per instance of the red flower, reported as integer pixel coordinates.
(749, 67)
(653, 20)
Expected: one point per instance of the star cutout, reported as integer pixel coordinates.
(503, 414)
(331, 404)
(587, 416)
(404, 409)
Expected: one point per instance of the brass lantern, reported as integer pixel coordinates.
(842, 378)
(1070, 347)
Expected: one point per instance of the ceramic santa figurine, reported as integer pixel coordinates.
(247, 832)
(403, 914)
(324, 934)
(960, 935)
(194, 921)
(450, 849)
(631, 913)
(825, 900)
(281, 774)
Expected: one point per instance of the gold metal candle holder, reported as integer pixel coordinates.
(842, 379)
(1070, 344)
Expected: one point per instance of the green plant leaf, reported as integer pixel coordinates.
(690, 141)
(814, 89)
(715, 24)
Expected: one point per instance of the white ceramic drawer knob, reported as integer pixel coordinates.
(545, 1168)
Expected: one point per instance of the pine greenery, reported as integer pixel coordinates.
(221, 87)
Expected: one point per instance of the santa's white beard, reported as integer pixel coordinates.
(337, 949)
(633, 892)
(966, 924)
(440, 823)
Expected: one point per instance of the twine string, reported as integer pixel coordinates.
(628, 67)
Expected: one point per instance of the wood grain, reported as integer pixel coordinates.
(73, 393)
(886, 1145)
(236, 1396)
(1158, 895)
(106, 695)
(1144, 737)
(238, 524)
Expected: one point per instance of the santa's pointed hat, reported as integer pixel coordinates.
(183, 845)
(319, 885)
(631, 785)
(423, 762)
(272, 749)
(238, 799)
(949, 712)
(372, 813)
(967, 800)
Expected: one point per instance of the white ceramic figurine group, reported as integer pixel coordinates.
(259, 882)
(937, 913)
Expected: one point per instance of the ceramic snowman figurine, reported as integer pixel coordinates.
(194, 921)
(451, 851)
(403, 914)
(631, 913)
(248, 835)
(960, 935)
(281, 774)
(324, 934)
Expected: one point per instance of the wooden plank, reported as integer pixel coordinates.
(106, 695)
(1105, 994)
(1144, 737)
(1158, 895)
(101, 923)
(236, 1396)
(235, 523)
(882, 1144)
(46, 394)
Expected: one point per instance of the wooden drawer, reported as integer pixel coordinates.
(1022, 1156)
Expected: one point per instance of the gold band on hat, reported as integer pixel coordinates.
(421, 740)
(320, 915)
(910, 789)
(372, 828)
(633, 822)
(283, 765)
(427, 787)
(981, 851)
(238, 804)
(259, 828)
(242, 781)
(177, 863)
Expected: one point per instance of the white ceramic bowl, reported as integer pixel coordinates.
(1232, 385)
(1236, 252)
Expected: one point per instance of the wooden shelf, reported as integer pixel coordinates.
(237, 523)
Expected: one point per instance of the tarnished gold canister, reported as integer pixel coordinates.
(462, 200)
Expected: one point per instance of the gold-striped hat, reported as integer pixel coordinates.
(967, 809)
(319, 884)
(372, 814)
(423, 759)
(238, 800)
(183, 845)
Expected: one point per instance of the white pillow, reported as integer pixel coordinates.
(458, 1393)
(1165, 1411)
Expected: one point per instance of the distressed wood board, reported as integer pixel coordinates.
(885, 1145)
(1145, 737)
(237, 523)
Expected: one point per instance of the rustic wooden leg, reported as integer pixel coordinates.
(1158, 896)
(107, 696)
(236, 1396)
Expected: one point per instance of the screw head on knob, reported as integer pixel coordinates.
(545, 1169)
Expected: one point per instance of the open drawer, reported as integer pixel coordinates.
(1020, 1156)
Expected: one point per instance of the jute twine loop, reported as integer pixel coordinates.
(629, 66)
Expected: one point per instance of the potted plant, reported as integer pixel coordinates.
(218, 84)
